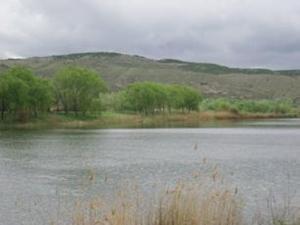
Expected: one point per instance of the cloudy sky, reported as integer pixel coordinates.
(244, 33)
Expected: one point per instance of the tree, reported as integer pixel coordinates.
(146, 97)
(76, 88)
(183, 97)
(3, 96)
(175, 97)
(191, 98)
(23, 94)
(149, 97)
(41, 96)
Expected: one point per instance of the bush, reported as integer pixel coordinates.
(248, 106)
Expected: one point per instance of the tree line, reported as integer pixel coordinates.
(76, 90)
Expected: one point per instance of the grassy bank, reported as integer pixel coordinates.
(122, 120)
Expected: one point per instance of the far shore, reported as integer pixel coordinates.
(122, 120)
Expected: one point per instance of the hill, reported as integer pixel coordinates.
(212, 79)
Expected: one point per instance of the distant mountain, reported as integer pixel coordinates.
(213, 80)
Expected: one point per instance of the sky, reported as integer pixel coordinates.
(239, 33)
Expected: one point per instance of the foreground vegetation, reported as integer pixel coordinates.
(78, 97)
(185, 204)
(198, 201)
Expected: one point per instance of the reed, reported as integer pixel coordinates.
(184, 204)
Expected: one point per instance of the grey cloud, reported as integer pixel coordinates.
(248, 33)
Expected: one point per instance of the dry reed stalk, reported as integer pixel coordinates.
(186, 204)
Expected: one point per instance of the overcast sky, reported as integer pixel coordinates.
(244, 33)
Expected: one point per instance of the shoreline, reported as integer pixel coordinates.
(123, 120)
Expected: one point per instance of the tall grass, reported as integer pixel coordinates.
(191, 205)
(187, 203)
(184, 204)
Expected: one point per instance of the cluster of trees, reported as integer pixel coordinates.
(24, 95)
(78, 90)
(149, 97)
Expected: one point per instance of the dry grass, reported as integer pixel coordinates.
(184, 204)
(198, 201)
(190, 205)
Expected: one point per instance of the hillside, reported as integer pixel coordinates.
(212, 79)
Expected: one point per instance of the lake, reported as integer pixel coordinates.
(41, 169)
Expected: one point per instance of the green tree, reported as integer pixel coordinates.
(149, 97)
(77, 88)
(23, 94)
(183, 97)
(161, 96)
(4, 103)
(191, 98)
(146, 97)
(41, 96)
(19, 81)
(175, 97)
(140, 97)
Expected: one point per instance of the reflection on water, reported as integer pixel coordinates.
(39, 168)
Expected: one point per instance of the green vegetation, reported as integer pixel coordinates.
(81, 95)
(149, 97)
(23, 95)
(183, 97)
(248, 106)
(78, 90)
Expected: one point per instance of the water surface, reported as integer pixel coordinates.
(40, 169)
